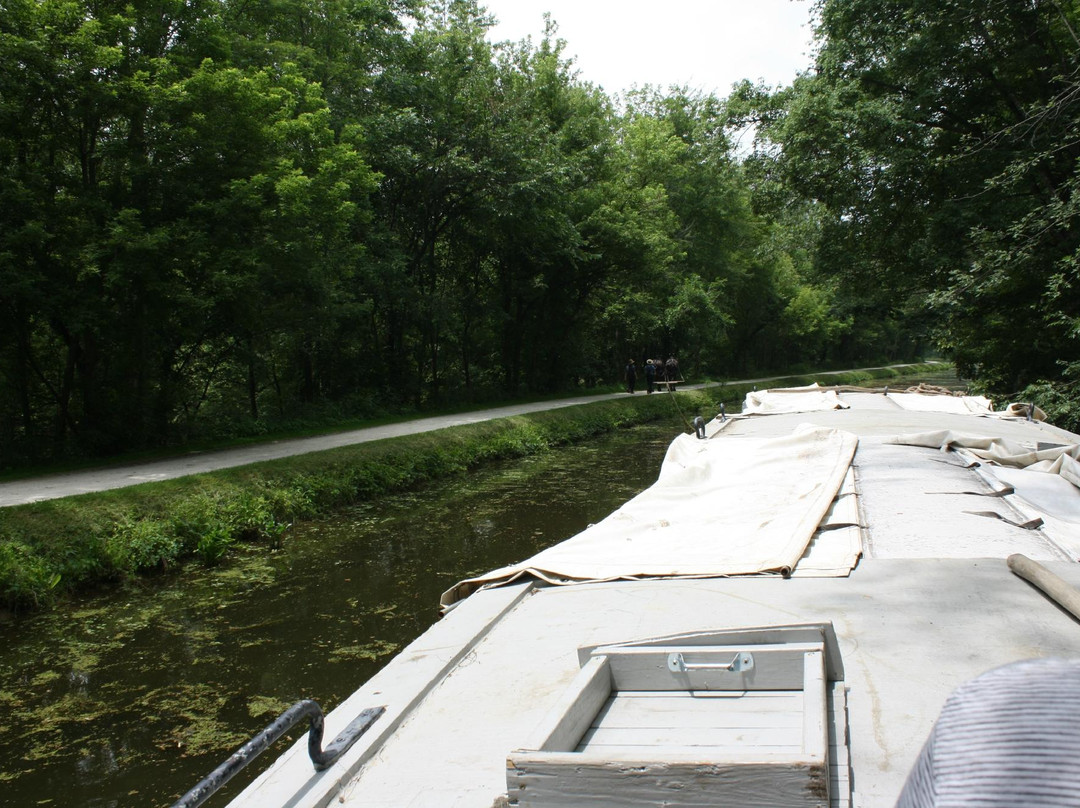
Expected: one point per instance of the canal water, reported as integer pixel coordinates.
(129, 698)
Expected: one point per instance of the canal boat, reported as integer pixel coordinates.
(778, 621)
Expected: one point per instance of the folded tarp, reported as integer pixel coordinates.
(835, 548)
(727, 506)
(963, 405)
(791, 399)
(1018, 410)
(1060, 460)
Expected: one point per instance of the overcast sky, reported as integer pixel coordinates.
(705, 44)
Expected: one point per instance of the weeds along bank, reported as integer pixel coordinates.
(51, 548)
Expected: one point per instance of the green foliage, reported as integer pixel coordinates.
(26, 579)
(219, 216)
(937, 143)
(213, 544)
(246, 515)
(140, 545)
(1057, 398)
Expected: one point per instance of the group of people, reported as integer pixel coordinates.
(656, 370)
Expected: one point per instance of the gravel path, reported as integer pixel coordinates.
(55, 486)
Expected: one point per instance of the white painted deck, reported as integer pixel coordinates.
(642, 721)
(930, 605)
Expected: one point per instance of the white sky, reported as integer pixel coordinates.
(708, 45)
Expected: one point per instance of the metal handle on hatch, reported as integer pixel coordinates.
(743, 661)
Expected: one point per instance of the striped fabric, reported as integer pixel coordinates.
(1006, 739)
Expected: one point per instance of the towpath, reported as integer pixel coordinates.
(56, 486)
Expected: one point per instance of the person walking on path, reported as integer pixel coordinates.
(650, 375)
(631, 376)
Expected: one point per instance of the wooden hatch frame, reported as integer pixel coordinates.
(562, 766)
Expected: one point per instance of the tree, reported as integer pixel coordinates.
(155, 205)
(938, 136)
(217, 213)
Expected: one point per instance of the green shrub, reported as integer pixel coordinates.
(213, 544)
(193, 518)
(26, 579)
(292, 502)
(250, 517)
(1058, 399)
(141, 545)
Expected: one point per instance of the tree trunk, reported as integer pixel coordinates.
(252, 387)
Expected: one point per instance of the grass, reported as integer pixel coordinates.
(59, 546)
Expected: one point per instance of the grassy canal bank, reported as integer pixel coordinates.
(51, 548)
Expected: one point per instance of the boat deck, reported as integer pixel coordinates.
(930, 604)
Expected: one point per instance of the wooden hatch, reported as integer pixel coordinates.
(734, 718)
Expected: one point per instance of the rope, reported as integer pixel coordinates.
(678, 409)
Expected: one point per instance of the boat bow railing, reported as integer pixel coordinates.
(320, 758)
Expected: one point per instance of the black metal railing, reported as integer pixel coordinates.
(699, 427)
(321, 758)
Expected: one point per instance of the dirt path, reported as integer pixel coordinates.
(55, 486)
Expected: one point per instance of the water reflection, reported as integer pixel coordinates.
(129, 698)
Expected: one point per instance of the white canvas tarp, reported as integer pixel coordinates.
(1060, 460)
(811, 398)
(962, 405)
(729, 506)
(835, 549)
